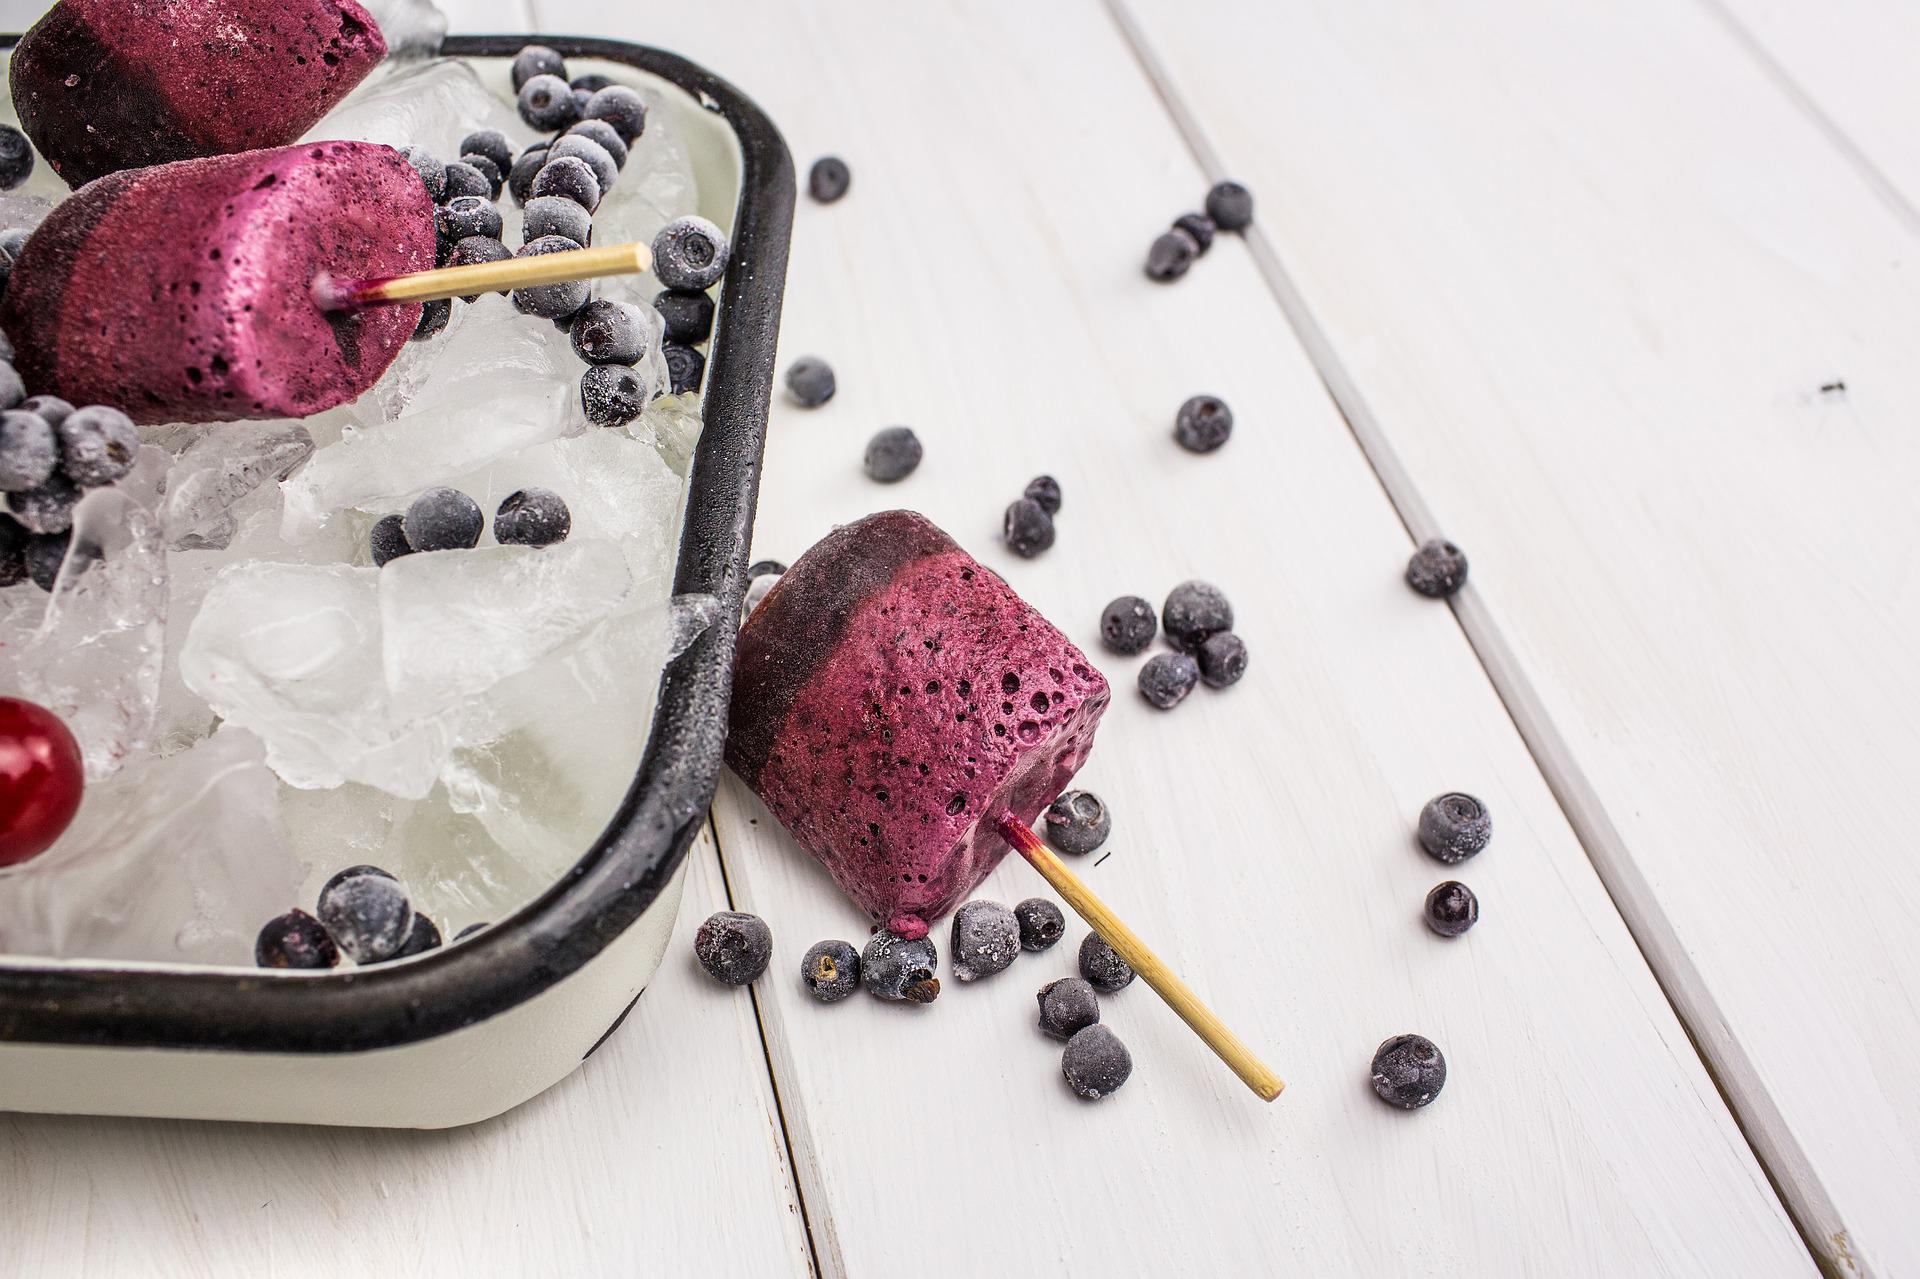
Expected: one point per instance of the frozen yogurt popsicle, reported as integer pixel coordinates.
(103, 85)
(183, 292)
(892, 697)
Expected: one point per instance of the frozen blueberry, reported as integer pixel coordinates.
(765, 568)
(368, 915)
(589, 153)
(830, 971)
(892, 454)
(551, 301)
(1102, 966)
(547, 103)
(1096, 1063)
(1027, 528)
(51, 407)
(1045, 490)
(1078, 822)
(620, 107)
(466, 215)
(689, 253)
(495, 174)
(1170, 254)
(1203, 424)
(569, 177)
(606, 135)
(29, 450)
(1408, 1071)
(556, 215)
(590, 83)
(341, 876)
(534, 60)
(43, 556)
(1230, 205)
(1041, 923)
(1128, 625)
(47, 509)
(810, 381)
(433, 174)
(1437, 569)
(1193, 611)
(1222, 658)
(733, 947)
(685, 366)
(1451, 908)
(610, 394)
(389, 540)
(525, 169)
(1453, 827)
(98, 445)
(1167, 678)
(581, 99)
(12, 389)
(473, 250)
(1067, 1007)
(423, 937)
(1199, 226)
(762, 577)
(608, 332)
(828, 179)
(687, 315)
(894, 969)
(986, 939)
(443, 519)
(13, 551)
(492, 144)
(532, 517)
(16, 157)
(434, 316)
(463, 180)
(295, 940)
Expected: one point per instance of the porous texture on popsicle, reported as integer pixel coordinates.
(183, 292)
(892, 698)
(102, 85)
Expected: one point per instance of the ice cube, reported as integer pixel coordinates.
(411, 28)
(429, 104)
(221, 468)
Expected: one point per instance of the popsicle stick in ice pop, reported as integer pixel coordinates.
(335, 294)
(894, 700)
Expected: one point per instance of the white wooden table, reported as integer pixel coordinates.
(1563, 281)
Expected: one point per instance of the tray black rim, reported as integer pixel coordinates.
(634, 859)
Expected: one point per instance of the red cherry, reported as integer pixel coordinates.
(41, 779)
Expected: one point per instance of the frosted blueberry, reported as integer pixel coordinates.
(1102, 966)
(1078, 822)
(532, 517)
(1408, 1071)
(830, 971)
(368, 916)
(892, 454)
(1067, 1007)
(1203, 424)
(1096, 1063)
(1230, 205)
(1451, 908)
(733, 946)
(1193, 611)
(1453, 827)
(1128, 625)
(1041, 923)
(810, 381)
(1438, 569)
(443, 519)
(1167, 678)
(294, 940)
(689, 253)
(1027, 528)
(895, 969)
(1222, 659)
(986, 939)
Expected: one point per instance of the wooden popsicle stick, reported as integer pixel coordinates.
(1165, 982)
(334, 294)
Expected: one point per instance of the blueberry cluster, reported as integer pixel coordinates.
(1229, 208)
(445, 519)
(363, 912)
(1452, 828)
(1027, 526)
(50, 454)
(1199, 624)
(1095, 1062)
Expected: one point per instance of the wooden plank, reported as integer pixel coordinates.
(1611, 310)
(982, 282)
(664, 1143)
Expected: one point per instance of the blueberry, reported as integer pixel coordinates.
(532, 517)
(733, 947)
(423, 937)
(389, 540)
(1203, 424)
(433, 174)
(1102, 966)
(1027, 528)
(443, 519)
(556, 215)
(51, 407)
(1128, 625)
(685, 367)
(547, 103)
(1451, 908)
(1199, 226)
(1167, 678)
(474, 250)
(1096, 1063)
(620, 107)
(1170, 254)
(464, 179)
(434, 316)
(610, 394)
(535, 60)
(47, 509)
(892, 454)
(43, 556)
(1453, 827)
(1408, 1071)
(466, 215)
(894, 969)
(29, 450)
(1230, 205)
(591, 83)
(98, 445)
(1041, 923)
(1193, 611)
(1223, 659)
(295, 940)
(1045, 490)
(986, 939)
(525, 170)
(688, 315)
(810, 381)
(830, 971)
(12, 389)
(762, 577)
(765, 568)
(495, 174)
(689, 253)
(607, 332)
(582, 98)
(368, 915)
(570, 177)
(16, 157)
(341, 876)
(13, 241)
(1067, 1007)
(828, 179)
(13, 551)
(589, 153)
(1437, 569)
(471, 929)
(1078, 822)
(492, 144)
(551, 301)
(605, 135)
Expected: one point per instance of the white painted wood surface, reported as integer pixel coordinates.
(1581, 272)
